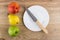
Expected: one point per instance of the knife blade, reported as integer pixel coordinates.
(31, 15)
(36, 21)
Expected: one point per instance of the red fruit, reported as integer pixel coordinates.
(13, 7)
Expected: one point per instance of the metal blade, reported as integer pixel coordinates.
(31, 15)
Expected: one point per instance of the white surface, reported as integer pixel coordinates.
(40, 13)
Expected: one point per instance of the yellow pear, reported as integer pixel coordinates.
(13, 19)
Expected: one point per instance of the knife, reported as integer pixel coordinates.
(36, 21)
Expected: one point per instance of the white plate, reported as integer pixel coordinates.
(40, 13)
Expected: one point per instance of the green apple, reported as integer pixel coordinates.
(13, 31)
